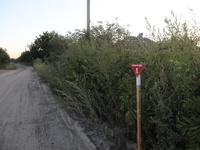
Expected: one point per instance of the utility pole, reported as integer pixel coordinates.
(88, 19)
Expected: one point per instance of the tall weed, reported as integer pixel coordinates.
(95, 77)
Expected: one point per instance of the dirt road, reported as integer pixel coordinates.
(30, 118)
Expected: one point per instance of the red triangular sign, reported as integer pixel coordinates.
(137, 68)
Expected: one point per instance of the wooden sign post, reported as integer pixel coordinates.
(137, 69)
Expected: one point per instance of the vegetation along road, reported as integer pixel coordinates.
(31, 119)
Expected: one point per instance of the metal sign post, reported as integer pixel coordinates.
(137, 69)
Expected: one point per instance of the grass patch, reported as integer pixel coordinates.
(10, 67)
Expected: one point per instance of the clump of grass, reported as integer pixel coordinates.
(10, 67)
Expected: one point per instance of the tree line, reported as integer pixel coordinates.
(48, 46)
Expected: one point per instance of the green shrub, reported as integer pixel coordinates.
(46, 71)
(189, 124)
(4, 58)
(95, 77)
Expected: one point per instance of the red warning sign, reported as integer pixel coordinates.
(137, 68)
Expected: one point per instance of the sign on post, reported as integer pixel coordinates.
(137, 69)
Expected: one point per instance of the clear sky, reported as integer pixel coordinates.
(22, 20)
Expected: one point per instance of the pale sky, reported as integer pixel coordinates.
(22, 20)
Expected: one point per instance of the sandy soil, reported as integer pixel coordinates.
(30, 117)
(2, 71)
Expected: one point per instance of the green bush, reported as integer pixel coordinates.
(45, 70)
(189, 124)
(95, 78)
(4, 58)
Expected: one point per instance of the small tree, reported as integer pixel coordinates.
(25, 57)
(48, 46)
(4, 57)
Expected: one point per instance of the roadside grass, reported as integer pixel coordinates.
(10, 67)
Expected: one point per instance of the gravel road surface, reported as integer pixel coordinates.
(30, 117)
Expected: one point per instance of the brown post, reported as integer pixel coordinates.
(139, 117)
(137, 69)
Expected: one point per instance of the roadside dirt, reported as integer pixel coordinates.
(2, 71)
(31, 118)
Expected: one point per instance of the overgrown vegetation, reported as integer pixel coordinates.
(95, 79)
(4, 58)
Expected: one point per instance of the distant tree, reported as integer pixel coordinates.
(48, 46)
(25, 57)
(4, 57)
(13, 60)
